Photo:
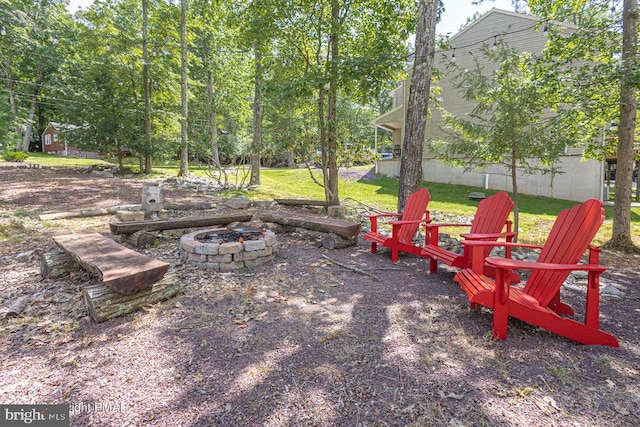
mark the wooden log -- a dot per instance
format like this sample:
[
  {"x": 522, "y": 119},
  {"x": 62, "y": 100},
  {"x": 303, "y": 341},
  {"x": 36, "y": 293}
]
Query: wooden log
[
  {"x": 54, "y": 266},
  {"x": 123, "y": 270},
  {"x": 85, "y": 213},
  {"x": 341, "y": 227},
  {"x": 332, "y": 241},
  {"x": 104, "y": 303},
  {"x": 189, "y": 206},
  {"x": 141, "y": 239},
  {"x": 175, "y": 223},
  {"x": 301, "y": 202},
  {"x": 18, "y": 305}
]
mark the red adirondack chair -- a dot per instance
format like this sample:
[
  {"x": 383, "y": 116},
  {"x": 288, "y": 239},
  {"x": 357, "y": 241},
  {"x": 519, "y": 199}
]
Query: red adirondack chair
[
  {"x": 402, "y": 232},
  {"x": 538, "y": 302},
  {"x": 490, "y": 219}
]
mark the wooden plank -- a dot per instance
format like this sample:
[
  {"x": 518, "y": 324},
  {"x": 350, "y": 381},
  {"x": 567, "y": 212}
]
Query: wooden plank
[
  {"x": 104, "y": 303},
  {"x": 175, "y": 223},
  {"x": 301, "y": 202},
  {"x": 341, "y": 227},
  {"x": 123, "y": 270}
]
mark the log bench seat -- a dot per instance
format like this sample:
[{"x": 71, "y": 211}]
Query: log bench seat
[
  {"x": 344, "y": 228},
  {"x": 121, "y": 269}
]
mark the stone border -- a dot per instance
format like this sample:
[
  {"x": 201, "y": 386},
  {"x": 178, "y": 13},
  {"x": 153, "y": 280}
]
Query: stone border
[{"x": 228, "y": 256}]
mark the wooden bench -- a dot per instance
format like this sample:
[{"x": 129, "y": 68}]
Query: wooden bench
[
  {"x": 177, "y": 223},
  {"x": 121, "y": 269},
  {"x": 344, "y": 228}
]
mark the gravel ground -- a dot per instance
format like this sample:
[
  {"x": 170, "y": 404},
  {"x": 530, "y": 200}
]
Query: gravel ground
[{"x": 300, "y": 341}]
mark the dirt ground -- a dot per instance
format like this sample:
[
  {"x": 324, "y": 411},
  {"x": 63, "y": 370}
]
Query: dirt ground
[{"x": 299, "y": 341}]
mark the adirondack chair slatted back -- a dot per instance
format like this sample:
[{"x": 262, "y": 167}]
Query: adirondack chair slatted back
[
  {"x": 572, "y": 232},
  {"x": 414, "y": 210},
  {"x": 491, "y": 215}
]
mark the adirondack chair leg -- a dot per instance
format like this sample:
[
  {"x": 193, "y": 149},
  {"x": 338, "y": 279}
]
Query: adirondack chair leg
[
  {"x": 559, "y": 307},
  {"x": 394, "y": 254},
  {"x": 433, "y": 266},
  {"x": 500, "y": 306},
  {"x": 592, "y": 315},
  {"x": 374, "y": 248}
]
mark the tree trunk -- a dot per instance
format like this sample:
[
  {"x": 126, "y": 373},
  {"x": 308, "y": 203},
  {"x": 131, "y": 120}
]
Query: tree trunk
[
  {"x": 146, "y": 87},
  {"x": 411, "y": 158},
  {"x": 256, "y": 146},
  {"x": 331, "y": 169},
  {"x": 514, "y": 188},
  {"x": 12, "y": 94},
  {"x": 621, "y": 238},
  {"x": 184, "y": 151},
  {"x": 24, "y": 146},
  {"x": 213, "y": 122}
]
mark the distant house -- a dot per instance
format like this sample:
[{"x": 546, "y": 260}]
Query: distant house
[
  {"x": 580, "y": 179},
  {"x": 54, "y": 141}
]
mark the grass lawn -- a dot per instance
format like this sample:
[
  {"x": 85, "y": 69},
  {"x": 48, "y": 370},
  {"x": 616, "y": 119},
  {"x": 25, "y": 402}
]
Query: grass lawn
[{"x": 536, "y": 213}]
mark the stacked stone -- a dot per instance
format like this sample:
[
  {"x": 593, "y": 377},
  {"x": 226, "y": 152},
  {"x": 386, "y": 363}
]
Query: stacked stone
[{"x": 228, "y": 256}]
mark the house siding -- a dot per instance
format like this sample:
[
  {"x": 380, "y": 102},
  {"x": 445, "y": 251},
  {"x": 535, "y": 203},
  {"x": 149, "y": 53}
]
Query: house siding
[
  {"x": 579, "y": 180},
  {"x": 49, "y": 143}
]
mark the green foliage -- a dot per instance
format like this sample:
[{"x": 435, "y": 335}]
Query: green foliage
[
  {"x": 516, "y": 121},
  {"x": 15, "y": 156}
]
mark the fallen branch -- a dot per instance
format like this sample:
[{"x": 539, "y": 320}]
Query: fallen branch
[
  {"x": 348, "y": 267},
  {"x": 18, "y": 305}
]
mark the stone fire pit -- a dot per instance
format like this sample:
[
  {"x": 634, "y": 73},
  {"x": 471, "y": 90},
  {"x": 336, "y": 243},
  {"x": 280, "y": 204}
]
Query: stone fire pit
[{"x": 227, "y": 249}]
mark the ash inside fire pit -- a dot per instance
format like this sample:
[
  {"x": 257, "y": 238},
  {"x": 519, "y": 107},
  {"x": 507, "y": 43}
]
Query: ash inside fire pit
[{"x": 236, "y": 234}]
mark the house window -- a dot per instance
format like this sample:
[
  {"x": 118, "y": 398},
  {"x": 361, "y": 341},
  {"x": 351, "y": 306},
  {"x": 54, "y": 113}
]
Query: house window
[
  {"x": 47, "y": 139},
  {"x": 55, "y": 137}
]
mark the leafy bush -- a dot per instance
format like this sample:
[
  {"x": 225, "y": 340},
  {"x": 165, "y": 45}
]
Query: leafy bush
[{"x": 15, "y": 156}]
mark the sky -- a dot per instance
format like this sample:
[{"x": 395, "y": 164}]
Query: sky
[{"x": 455, "y": 15}]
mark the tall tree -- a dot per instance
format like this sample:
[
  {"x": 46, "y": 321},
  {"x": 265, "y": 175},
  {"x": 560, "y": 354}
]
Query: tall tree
[
  {"x": 184, "y": 151},
  {"x": 146, "y": 89},
  {"x": 621, "y": 238},
  {"x": 333, "y": 49},
  {"x": 599, "y": 76},
  {"x": 256, "y": 144},
  {"x": 419, "y": 91},
  {"x": 31, "y": 57}
]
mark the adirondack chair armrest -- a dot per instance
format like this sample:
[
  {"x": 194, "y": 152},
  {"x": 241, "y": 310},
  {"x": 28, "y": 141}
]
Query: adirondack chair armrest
[
  {"x": 474, "y": 243},
  {"x": 432, "y": 230},
  {"x": 397, "y": 224},
  {"x": 374, "y": 219},
  {"x": 478, "y": 255},
  {"x": 401, "y": 222},
  {"x": 485, "y": 236},
  {"x": 383, "y": 215},
  {"x": 512, "y": 264}
]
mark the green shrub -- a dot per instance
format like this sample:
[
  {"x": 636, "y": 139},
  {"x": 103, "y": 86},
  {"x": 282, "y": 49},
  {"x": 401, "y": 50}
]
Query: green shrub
[{"x": 15, "y": 156}]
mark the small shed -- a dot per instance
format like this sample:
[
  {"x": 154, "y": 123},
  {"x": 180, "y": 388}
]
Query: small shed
[{"x": 55, "y": 142}]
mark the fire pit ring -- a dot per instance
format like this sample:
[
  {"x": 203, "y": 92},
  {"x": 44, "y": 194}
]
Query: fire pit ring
[{"x": 228, "y": 249}]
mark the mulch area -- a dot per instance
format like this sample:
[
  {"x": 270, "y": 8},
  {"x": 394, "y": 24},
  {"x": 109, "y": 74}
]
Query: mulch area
[{"x": 299, "y": 341}]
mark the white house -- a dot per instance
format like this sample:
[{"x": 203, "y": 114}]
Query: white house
[{"x": 581, "y": 179}]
